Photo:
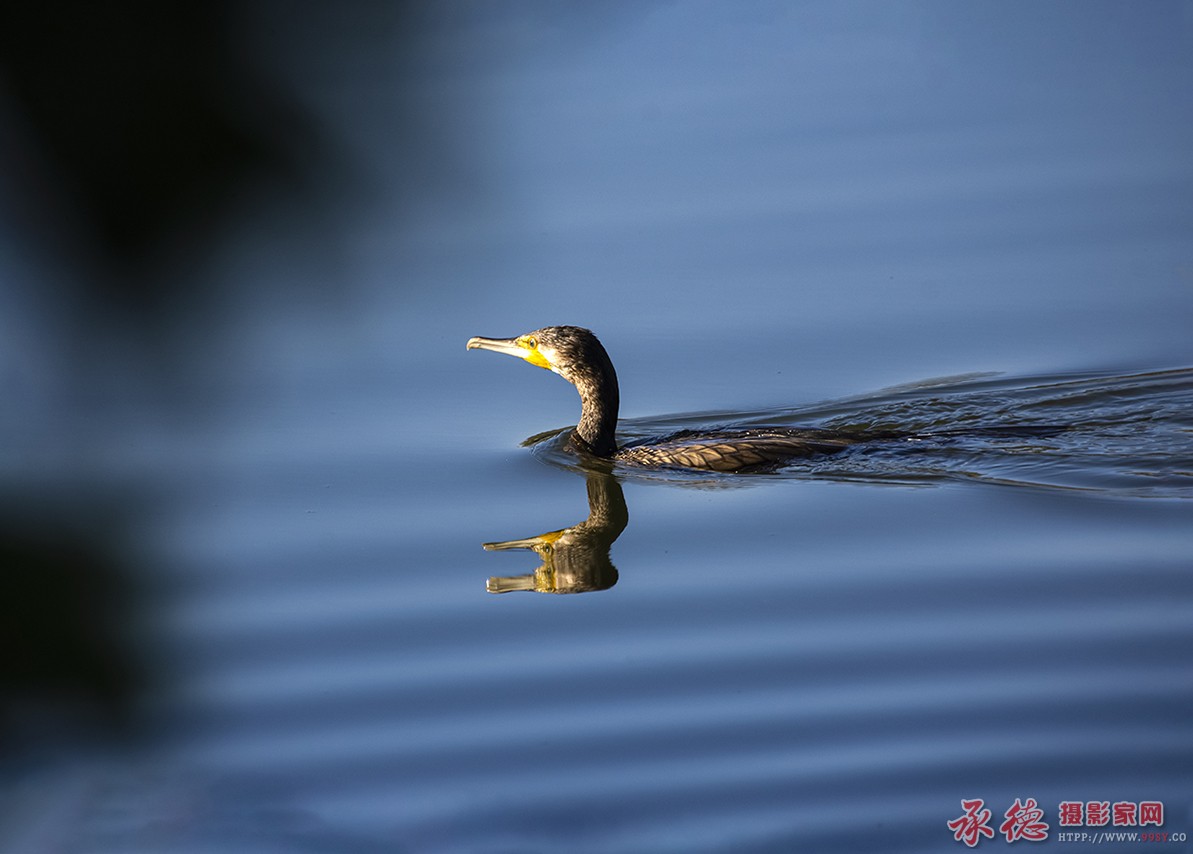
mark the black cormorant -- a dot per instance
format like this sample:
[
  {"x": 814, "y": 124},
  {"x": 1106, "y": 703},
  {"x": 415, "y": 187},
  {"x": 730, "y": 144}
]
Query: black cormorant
[{"x": 576, "y": 355}]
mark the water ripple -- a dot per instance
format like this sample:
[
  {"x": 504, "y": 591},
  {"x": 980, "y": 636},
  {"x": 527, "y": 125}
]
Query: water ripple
[{"x": 1112, "y": 434}]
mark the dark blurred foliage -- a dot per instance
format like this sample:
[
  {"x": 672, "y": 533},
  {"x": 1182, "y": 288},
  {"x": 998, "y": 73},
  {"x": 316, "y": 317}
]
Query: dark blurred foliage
[
  {"x": 144, "y": 121},
  {"x": 137, "y": 127},
  {"x": 69, "y": 657},
  {"x": 137, "y": 124}
]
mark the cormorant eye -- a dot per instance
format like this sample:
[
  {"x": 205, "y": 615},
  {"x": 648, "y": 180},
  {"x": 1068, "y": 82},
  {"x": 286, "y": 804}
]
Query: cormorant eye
[{"x": 530, "y": 343}]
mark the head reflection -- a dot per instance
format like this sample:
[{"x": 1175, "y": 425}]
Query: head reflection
[{"x": 575, "y": 559}]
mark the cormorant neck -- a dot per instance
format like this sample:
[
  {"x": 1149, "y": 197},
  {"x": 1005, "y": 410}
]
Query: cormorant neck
[{"x": 597, "y": 384}]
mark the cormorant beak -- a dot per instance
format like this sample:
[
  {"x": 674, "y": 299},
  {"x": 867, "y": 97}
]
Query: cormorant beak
[
  {"x": 522, "y": 347},
  {"x": 509, "y": 346}
]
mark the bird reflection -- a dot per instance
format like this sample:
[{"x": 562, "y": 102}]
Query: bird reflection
[{"x": 575, "y": 559}]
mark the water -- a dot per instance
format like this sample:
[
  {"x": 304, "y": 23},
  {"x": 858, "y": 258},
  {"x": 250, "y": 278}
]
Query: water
[
  {"x": 1126, "y": 435},
  {"x": 921, "y": 218}
]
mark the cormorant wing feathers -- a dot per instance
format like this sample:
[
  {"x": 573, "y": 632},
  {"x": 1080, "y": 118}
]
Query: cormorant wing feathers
[{"x": 731, "y": 451}]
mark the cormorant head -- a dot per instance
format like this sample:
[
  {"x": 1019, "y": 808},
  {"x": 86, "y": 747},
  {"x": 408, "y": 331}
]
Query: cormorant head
[
  {"x": 577, "y": 356},
  {"x": 570, "y": 351}
]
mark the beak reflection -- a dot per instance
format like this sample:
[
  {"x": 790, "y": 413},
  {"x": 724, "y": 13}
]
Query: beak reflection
[{"x": 575, "y": 559}]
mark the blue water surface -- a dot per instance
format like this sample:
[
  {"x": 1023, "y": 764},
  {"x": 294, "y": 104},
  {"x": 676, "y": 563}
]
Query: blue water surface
[{"x": 819, "y": 213}]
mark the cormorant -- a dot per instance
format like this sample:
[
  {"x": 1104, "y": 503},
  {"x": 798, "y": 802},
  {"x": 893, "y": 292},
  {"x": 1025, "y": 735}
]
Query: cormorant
[{"x": 576, "y": 355}]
